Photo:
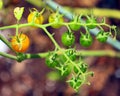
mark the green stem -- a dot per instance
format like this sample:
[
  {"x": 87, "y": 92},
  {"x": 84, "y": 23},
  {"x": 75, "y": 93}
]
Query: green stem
[
  {"x": 8, "y": 27},
  {"x": 14, "y": 26},
  {"x": 97, "y": 53},
  {"x": 8, "y": 56},
  {"x": 86, "y": 29},
  {"x": 5, "y": 41},
  {"x": 39, "y": 55},
  {"x": 17, "y": 28},
  {"x": 51, "y": 37},
  {"x": 49, "y": 24}
]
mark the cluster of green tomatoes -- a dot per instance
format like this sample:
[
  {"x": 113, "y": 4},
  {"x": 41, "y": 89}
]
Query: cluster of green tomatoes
[
  {"x": 66, "y": 62},
  {"x": 68, "y": 39},
  {"x": 85, "y": 40}
]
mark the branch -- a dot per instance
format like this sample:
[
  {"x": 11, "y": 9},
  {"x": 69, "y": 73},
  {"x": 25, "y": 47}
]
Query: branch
[
  {"x": 97, "y": 53},
  {"x": 5, "y": 41},
  {"x": 38, "y": 55},
  {"x": 8, "y": 56}
]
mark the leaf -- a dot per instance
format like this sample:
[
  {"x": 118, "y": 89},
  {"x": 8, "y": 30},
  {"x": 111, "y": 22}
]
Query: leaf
[{"x": 18, "y": 12}]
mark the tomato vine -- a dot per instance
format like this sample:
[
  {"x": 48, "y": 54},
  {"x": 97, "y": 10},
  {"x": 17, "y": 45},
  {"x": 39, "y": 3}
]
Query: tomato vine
[{"x": 66, "y": 60}]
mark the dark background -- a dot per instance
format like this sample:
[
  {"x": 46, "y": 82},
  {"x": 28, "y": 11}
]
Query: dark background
[{"x": 29, "y": 78}]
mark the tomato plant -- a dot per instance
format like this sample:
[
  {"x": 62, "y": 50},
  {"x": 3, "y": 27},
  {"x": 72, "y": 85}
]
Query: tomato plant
[
  {"x": 68, "y": 39},
  {"x": 20, "y": 43},
  {"x": 65, "y": 60}
]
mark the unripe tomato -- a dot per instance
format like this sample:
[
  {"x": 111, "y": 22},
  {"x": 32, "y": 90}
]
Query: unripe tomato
[
  {"x": 68, "y": 39},
  {"x": 20, "y": 43},
  {"x": 86, "y": 40},
  {"x": 92, "y": 23},
  {"x": 102, "y": 36},
  {"x": 75, "y": 82},
  {"x": 57, "y": 18},
  {"x": 51, "y": 60},
  {"x": 71, "y": 53},
  {"x": 82, "y": 66},
  {"x": 35, "y": 17},
  {"x": 64, "y": 70},
  {"x": 75, "y": 27}
]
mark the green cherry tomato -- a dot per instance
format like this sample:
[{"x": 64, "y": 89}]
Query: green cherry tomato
[
  {"x": 57, "y": 18},
  {"x": 102, "y": 36},
  {"x": 71, "y": 53},
  {"x": 67, "y": 39},
  {"x": 51, "y": 60},
  {"x": 75, "y": 82},
  {"x": 64, "y": 70},
  {"x": 91, "y": 21},
  {"x": 86, "y": 40},
  {"x": 75, "y": 27},
  {"x": 82, "y": 66}
]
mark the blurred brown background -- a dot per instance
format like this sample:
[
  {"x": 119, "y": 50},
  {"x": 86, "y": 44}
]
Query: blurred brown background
[{"x": 28, "y": 78}]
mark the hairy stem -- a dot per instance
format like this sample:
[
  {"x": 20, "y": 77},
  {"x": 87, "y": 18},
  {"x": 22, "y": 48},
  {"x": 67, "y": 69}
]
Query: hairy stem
[
  {"x": 51, "y": 37},
  {"x": 39, "y": 55},
  {"x": 8, "y": 56},
  {"x": 96, "y": 53},
  {"x": 5, "y": 41}
]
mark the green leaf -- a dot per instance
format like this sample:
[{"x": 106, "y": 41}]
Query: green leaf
[{"x": 18, "y": 12}]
